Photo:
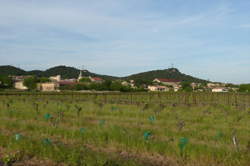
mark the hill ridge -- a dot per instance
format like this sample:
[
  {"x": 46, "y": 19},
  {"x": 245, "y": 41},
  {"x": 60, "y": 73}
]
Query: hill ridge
[{"x": 72, "y": 72}]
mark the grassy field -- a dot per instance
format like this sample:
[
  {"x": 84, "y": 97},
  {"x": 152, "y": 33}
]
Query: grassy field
[{"x": 119, "y": 130}]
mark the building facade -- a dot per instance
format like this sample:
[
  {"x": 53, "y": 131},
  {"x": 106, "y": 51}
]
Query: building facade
[
  {"x": 157, "y": 88},
  {"x": 20, "y": 86},
  {"x": 48, "y": 87}
]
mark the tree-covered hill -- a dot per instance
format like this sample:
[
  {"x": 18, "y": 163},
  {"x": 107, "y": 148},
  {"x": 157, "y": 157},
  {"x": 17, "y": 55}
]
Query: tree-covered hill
[
  {"x": 171, "y": 73},
  {"x": 35, "y": 72},
  {"x": 71, "y": 72},
  {"x": 64, "y": 71},
  {"x": 11, "y": 70}
]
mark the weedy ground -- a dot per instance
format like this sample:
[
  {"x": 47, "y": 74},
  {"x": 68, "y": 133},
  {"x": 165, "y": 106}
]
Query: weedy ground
[{"x": 47, "y": 130}]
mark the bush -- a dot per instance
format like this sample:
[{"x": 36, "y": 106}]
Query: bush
[
  {"x": 244, "y": 88},
  {"x": 5, "y": 82},
  {"x": 30, "y": 83}
]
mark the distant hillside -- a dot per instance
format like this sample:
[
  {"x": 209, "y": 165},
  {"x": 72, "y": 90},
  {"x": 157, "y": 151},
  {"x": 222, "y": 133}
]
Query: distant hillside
[
  {"x": 171, "y": 73},
  {"x": 64, "y": 71},
  {"x": 35, "y": 72},
  {"x": 71, "y": 72},
  {"x": 11, "y": 70}
]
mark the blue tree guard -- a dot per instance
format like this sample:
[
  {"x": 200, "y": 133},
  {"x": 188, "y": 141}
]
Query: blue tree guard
[
  {"x": 113, "y": 108},
  {"x": 182, "y": 144},
  {"x": 151, "y": 119},
  {"x": 47, "y": 116},
  {"x": 82, "y": 130},
  {"x": 47, "y": 141},
  {"x": 101, "y": 122},
  {"x": 18, "y": 137},
  {"x": 147, "y": 135}
]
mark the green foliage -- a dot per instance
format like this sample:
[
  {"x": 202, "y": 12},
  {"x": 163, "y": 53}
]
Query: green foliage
[
  {"x": 10, "y": 70},
  {"x": 31, "y": 83},
  {"x": 43, "y": 79},
  {"x": 64, "y": 71},
  {"x": 115, "y": 86},
  {"x": 186, "y": 86},
  {"x": 244, "y": 88},
  {"x": 141, "y": 82},
  {"x": 5, "y": 82},
  {"x": 128, "y": 138},
  {"x": 71, "y": 72},
  {"x": 85, "y": 79},
  {"x": 105, "y": 86},
  {"x": 171, "y": 73}
]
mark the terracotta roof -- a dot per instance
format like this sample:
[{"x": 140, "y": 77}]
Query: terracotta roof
[
  {"x": 97, "y": 78},
  {"x": 66, "y": 82},
  {"x": 168, "y": 80}
]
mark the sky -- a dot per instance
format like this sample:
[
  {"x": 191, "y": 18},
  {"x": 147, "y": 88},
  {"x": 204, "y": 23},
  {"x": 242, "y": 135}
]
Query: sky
[{"x": 209, "y": 39}]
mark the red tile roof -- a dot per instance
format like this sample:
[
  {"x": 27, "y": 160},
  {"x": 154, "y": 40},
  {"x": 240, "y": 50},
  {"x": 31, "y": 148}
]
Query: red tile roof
[
  {"x": 97, "y": 79},
  {"x": 66, "y": 83}
]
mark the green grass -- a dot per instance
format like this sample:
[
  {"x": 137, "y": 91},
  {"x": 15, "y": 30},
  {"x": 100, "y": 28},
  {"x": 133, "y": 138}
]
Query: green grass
[{"x": 113, "y": 134}]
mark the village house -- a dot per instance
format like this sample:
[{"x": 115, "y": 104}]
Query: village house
[
  {"x": 220, "y": 89},
  {"x": 19, "y": 78},
  {"x": 125, "y": 83},
  {"x": 157, "y": 88},
  {"x": 214, "y": 85},
  {"x": 55, "y": 78},
  {"x": 131, "y": 83},
  {"x": 195, "y": 85},
  {"x": 20, "y": 85},
  {"x": 177, "y": 88},
  {"x": 19, "y": 82},
  {"x": 169, "y": 82},
  {"x": 48, "y": 86}
]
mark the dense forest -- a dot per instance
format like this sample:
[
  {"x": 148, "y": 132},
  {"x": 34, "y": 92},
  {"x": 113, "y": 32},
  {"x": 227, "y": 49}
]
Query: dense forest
[
  {"x": 64, "y": 71},
  {"x": 172, "y": 73}
]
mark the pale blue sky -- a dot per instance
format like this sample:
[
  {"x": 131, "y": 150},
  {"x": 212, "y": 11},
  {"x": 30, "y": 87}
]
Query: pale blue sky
[{"x": 209, "y": 39}]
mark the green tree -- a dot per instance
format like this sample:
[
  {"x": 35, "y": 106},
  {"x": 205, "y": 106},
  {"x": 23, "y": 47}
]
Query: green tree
[
  {"x": 244, "y": 88},
  {"x": 141, "y": 82},
  {"x": 43, "y": 79},
  {"x": 186, "y": 87},
  {"x": 85, "y": 79},
  {"x": 115, "y": 86},
  {"x": 5, "y": 82},
  {"x": 30, "y": 83}
]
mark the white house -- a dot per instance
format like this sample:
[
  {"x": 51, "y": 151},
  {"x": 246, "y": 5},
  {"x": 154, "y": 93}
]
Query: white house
[
  {"x": 19, "y": 85},
  {"x": 155, "y": 88},
  {"x": 131, "y": 83},
  {"x": 219, "y": 90},
  {"x": 55, "y": 78},
  {"x": 214, "y": 85}
]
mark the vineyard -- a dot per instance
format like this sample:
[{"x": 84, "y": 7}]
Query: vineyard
[{"x": 124, "y": 129}]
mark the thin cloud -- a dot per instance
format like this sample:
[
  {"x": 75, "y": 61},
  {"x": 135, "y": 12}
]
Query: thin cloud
[{"x": 121, "y": 37}]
